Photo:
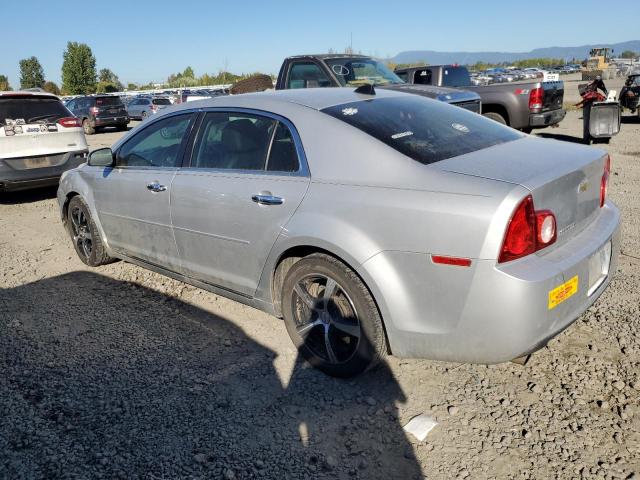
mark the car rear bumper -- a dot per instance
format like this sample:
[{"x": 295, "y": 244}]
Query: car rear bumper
[
  {"x": 490, "y": 313},
  {"x": 17, "y": 174},
  {"x": 111, "y": 121},
  {"x": 545, "y": 119}
]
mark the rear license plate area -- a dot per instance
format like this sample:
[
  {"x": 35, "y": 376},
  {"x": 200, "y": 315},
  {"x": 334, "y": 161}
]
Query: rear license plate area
[{"x": 599, "y": 265}]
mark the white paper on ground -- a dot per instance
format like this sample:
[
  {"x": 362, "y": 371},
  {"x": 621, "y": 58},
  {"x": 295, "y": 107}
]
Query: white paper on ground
[{"x": 420, "y": 426}]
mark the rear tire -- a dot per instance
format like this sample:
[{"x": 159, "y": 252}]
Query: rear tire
[
  {"x": 527, "y": 130},
  {"x": 495, "y": 117},
  {"x": 86, "y": 126},
  {"x": 84, "y": 234},
  {"x": 122, "y": 127},
  {"x": 331, "y": 317},
  {"x": 143, "y": 116}
]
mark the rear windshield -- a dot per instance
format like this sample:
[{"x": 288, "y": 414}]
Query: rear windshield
[
  {"x": 425, "y": 130},
  {"x": 31, "y": 109},
  {"x": 455, "y": 77},
  {"x": 108, "y": 101},
  {"x": 161, "y": 101}
]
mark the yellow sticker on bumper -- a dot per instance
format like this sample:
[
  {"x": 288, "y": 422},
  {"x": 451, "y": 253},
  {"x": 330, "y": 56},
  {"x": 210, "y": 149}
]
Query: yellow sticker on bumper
[{"x": 561, "y": 293}]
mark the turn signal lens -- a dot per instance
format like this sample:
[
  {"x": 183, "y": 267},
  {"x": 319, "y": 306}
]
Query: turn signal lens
[{"x": 528, "y": 231}]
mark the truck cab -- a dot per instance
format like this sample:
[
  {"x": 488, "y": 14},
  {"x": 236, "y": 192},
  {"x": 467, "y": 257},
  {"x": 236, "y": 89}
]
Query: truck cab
[{"x": 345, "y": 70}]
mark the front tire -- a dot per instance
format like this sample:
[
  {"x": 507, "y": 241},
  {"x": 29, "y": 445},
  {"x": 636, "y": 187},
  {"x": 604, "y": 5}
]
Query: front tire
[
  {"x": 331, "y": 317},
  {"x": 84, "y": 234},
  {"x": 495, "y": 117}
]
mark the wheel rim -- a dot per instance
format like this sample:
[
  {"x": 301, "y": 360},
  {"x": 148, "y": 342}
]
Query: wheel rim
[
  {"x": 326, "y": 318},
  {"x": 82, "y": 237}
]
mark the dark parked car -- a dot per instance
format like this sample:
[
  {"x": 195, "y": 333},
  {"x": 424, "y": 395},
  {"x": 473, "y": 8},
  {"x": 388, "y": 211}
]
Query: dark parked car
[{"x": 98, "y": 111}]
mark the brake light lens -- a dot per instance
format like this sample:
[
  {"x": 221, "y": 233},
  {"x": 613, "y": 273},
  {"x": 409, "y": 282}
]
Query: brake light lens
[
  {"x": 535, "y": 99},
  {"x": 528, "y": 231},
  {"x": 69, "y": 122},
  {"x": 604, "y": 183}
]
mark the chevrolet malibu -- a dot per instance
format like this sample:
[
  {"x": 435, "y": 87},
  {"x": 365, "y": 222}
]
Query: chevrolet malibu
[{"x": 372, "y": 222}]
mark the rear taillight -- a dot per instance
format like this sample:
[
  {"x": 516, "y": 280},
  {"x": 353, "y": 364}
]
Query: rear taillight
[
  {"x": 528, "y": 231},
  {"x": 604, "y": 183},
  {"x": 69, "y": 122},
  {"x": 535, "y": 99},
  {"x": 94, "y": 110}
]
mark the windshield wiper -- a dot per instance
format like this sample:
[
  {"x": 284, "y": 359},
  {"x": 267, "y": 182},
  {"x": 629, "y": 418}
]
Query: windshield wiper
[{"x": 44, "y": 117}]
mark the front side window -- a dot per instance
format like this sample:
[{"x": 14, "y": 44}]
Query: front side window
[
  {"x": 307, "y": 75},
  {"x": 158, "y": 145},
  {"x": 238, "y": 141},
  {"x": 354, "y": 72},
  {"x": 424, "y": 130}
]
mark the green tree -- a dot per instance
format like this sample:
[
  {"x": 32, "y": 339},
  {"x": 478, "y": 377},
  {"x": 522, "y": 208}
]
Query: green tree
[
  {"x": 51, "y": 87},
  {"x": 188, "y": 72},
  {"x": 106, "y": 76},
  {"x": 628, "y": 54},
  {"x": 107, "y": 87},
  {"x": 31, "y": 73},
  {"x": 78, "y": 69},
  {"x": 4, "y": 84},
  {"x": 132, "y": 86}
]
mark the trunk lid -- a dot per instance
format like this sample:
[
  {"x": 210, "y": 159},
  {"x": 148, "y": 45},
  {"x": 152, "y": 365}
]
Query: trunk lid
[
  {"x": 562, "y": 177},
  {"x": 109, "y": 107}
]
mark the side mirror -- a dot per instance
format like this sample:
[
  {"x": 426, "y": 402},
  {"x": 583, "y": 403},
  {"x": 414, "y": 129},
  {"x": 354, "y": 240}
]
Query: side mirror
[{"x": 103, "y": 157}]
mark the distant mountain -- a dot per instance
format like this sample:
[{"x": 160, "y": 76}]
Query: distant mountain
[{"x": 469, "y": 58}]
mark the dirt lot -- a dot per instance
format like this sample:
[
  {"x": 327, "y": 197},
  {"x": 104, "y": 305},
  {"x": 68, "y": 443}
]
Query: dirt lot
[{"x": 117, "y": 372}]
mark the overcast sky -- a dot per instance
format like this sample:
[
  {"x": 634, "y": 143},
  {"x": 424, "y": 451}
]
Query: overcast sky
[{"x": 146, "y": 41}]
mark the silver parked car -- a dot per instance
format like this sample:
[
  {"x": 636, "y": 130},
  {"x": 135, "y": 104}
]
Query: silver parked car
[
  {"x": 371, "y": 222},
  {"x": 141, "y": 108}
]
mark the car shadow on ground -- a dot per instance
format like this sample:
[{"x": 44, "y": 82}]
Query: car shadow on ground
[
  {"x": 632, "y": 119},
  {"x": 560, "y": 136},
  {"x": 104, "y": 378},
  {"x": 28, "y": 196}
]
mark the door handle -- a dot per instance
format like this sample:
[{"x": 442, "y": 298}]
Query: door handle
[
  {"x": 156, "y": 187},
  {"x": 267, "y": 199}
]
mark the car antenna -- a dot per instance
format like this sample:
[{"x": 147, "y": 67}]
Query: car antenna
[{"x": 366, "y": 89}]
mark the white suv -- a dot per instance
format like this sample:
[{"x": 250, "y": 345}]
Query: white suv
[{"x": 39, "y": 140}]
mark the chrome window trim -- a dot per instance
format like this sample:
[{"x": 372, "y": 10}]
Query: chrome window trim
[{"x": 303, "y": 167}]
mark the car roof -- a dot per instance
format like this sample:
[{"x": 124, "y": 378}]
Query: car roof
[
  {"x": 325, "y": 56},
  {"x": 315, "y": 98},
  {"x": 26, "y": 93}
]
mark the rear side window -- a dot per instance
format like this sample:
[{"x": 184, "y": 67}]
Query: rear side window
[
  {"x": 425, "y": 130},
  {"x": 108, "y": 101},
  {"x": 455, "y": 77},
  {"x": 31, "y": 109},
  {"x": 161, "y": 101},
  {"x": 422, "y": 77},
  {"x": 307, "y": 75}
]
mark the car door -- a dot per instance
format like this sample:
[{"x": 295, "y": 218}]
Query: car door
[
  {"x": 132, "y": 198},
  {"x": 247, "y": 175},
  {"x": 133, "y": 108}
]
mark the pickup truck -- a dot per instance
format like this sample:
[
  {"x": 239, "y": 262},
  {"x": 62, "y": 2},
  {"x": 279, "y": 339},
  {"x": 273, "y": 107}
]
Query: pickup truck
[
  {"x": 524, "y": 106},
  {"x": 343, "y": 70}
]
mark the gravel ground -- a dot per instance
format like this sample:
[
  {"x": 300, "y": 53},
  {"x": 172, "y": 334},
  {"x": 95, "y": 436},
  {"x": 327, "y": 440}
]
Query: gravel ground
[{"x": 117, "y": 372}]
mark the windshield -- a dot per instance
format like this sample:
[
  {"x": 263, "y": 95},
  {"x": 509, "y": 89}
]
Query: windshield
[
  {"x": 424, "y": 130},
  {"x": 31, "y": 108},
  {"x": 359, "y": 71},
  {"x": 455, "y": 77}
]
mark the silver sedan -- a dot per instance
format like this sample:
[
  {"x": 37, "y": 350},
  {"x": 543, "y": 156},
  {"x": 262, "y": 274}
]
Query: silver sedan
[{"x": 372, "y": 222}]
